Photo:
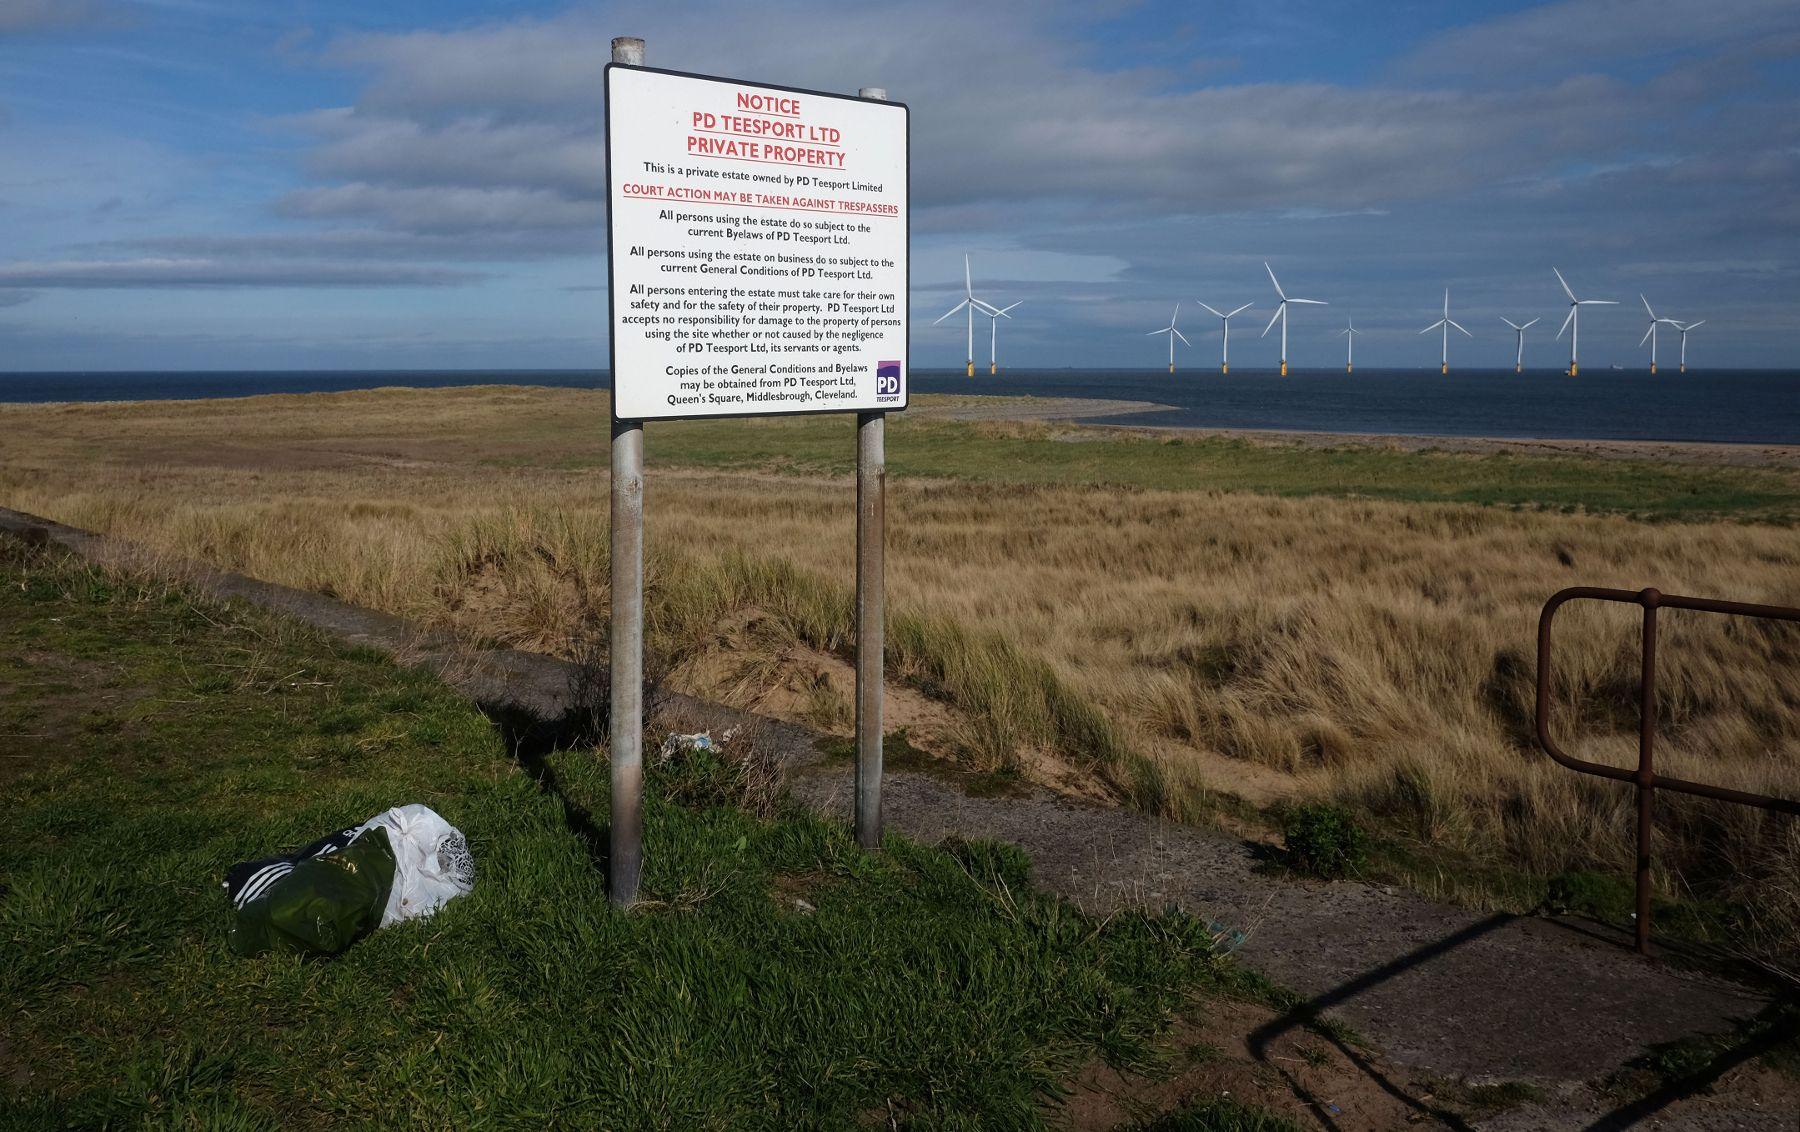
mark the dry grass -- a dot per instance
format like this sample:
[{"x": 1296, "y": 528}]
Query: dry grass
[{"x": 1179, "y": 643}]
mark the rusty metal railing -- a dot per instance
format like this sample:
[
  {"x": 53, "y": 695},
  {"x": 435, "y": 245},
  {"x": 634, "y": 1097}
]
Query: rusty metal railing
[{"x": 1645, "y": 778}]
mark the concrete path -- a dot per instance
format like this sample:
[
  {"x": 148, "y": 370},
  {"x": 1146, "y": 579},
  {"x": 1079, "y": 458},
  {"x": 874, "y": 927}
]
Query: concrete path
[{"x": 1439, "y": 989}]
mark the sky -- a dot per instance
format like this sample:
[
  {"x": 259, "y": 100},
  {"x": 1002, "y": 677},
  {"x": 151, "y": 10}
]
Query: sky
[{"x": 419, "y": 184}]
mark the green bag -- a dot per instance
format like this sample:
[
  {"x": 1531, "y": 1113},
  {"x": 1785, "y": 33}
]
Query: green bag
[{"x": 323, "y": 905}]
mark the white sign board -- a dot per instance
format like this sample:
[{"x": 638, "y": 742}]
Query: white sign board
[{"x": 758, "y": 248}]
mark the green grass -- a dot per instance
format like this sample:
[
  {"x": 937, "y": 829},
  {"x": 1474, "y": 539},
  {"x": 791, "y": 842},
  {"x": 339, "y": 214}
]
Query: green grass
[
  {"x": 163, "y": 739},
  {"x": 1034, "y": 454}
]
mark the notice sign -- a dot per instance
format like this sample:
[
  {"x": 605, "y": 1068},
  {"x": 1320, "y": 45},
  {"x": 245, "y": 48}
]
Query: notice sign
[{"x": 758, "y": 248}]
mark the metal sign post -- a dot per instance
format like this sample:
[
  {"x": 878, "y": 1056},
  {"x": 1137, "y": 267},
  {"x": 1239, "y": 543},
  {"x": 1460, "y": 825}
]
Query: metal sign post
[
  {"x": 625, "y": 713},
  {"x": 757, "y": 248},
  {"x": 871, "y": 606}
]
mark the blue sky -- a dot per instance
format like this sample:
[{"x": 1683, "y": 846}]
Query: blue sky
[{"x": 325, "y": 184}]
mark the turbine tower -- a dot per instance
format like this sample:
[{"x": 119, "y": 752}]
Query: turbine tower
[
  {"x": 994, "y": 336},
  {"x": 1519, "y": 355},
  {"x": 1173, "y": 334},
  {"x": 1446, "y": 322},
  {"x": 1574, "y": 321},
  {"x": 1650, "y": 334},
  {"x": 1281, "y": 313},
  {"x": 1350, "y": 332},
  {"x": 1684, "y": 329},
  {"x": 1225, "y": 349},
  {"x": 971, "y": 304}
]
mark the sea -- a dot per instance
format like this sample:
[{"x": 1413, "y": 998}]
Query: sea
[{"x": 1730, "y": 406}]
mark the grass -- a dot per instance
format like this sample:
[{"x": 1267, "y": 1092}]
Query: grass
[
  {"x": 1178, "y": 624},
  {"x": 1047, "y": 455},
  {"x": 153, "y": 739}
]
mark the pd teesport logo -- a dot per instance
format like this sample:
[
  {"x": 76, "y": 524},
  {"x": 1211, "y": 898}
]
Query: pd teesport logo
[{"x": 887, "y": 381}]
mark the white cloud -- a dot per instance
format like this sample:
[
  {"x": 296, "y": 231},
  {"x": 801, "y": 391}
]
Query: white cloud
[{"x": 1585, "y": 34}]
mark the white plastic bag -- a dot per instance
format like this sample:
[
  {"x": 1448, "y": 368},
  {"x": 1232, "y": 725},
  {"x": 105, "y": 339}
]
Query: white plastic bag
[{"x": 432, "y": 865}]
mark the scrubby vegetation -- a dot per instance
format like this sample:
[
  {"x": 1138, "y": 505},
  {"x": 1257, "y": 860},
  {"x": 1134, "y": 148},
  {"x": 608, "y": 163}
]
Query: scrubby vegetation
[{"x": 1170, "y": 624}]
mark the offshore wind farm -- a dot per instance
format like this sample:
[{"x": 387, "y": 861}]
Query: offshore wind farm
[{"x": 1279, "y": 314}]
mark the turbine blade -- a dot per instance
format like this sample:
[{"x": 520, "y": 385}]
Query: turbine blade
[
  {"x": 1597, "y": 303},
  {"x": 1432, "y": 327},
  {"x": 1691, "y": 325},
  {"x": 1272, "y": 319},
  {"x": 968, "y": 279},
  {"x": 1567, "y": 320},
  {"x": 984, "y": 308},
  {"x": 1646, "y": 303},
  {"x": 951, "y": 311},
  {"x": 1565, "y": 285},
  {"x": 1154, "y": 333},
  {"x": 1181, "y": 336},
  {"x": 1214, "y": 313},
  {"x": 1646, "y": 336},
  {"x": 1274, "y": 280},
  {"x": 1458, "y": 325},
  {"x": 1533, "y": 322},
  {"x": 1239, "y": 311},
  {"x": 1003, "y": 310},
  {"x": 1511, "y": 323},
  {"x": 1311, "y": 302}
]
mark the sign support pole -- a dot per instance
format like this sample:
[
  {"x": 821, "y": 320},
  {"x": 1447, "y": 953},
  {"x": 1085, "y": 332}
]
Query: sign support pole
[
  {"x": 871, "y": 605},
  {"x": 625, "y": 715}
]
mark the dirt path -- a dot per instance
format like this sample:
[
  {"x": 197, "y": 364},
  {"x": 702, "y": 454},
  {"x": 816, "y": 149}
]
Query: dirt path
[{"x": 1442, "y": 992}]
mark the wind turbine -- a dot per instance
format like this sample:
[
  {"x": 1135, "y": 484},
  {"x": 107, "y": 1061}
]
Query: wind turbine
[
  {"x": 1446, "y": 322},
  {"x": 1350, "y": 332},
  {"x": 994, "y": 337},
  {"x": 1684, "y": 330},
  {"x": 1650, "y": 334},
  {"x": 972, "y": 304},
  {"x": 1225, "y": 349},
  {"x": 1281, "y": 313},
  {"x": 1519, "y": 356},
  {"x": 1574, "y": 320},
  {"x": 1173, "y": 334}
]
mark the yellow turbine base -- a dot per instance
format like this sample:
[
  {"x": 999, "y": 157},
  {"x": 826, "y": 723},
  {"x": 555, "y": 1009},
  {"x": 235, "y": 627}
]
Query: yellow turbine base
[
  {"x": 1348, "y": 368},
  {"x": 1224, "y": 368},
  {"x": 1518, "y": 369},
  {"x": 1171, "y": 367},
  {"x": 1444, "y": 369},
  {"x": 993, "y": 369},
  {"x": 1652, "y": 369},
  {"x": 1684, "y": 369},
  {"x": 1574, "y": 370},
  {"x": 971, "y": 369},
  {"x": 1284, "y": 367}
]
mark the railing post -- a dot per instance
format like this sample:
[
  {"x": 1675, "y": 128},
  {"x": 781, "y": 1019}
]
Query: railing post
[
  {"x": 1646, "y": 772},
  {"x": 1644, "y": 778}
]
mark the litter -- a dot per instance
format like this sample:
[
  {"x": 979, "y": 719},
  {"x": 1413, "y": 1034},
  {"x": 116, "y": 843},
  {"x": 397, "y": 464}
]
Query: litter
[
  {"x": 678, "y": 744},
  {"x": 399, "y": 865},
  {"x": 1226, "y": 939}
]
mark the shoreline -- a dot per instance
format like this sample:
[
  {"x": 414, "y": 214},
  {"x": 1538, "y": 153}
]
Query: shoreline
[
  {"x": 1734, "y": 453},
  {"x": 1078, "y": 413},
  {"x": 1077, "y": 416}
]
